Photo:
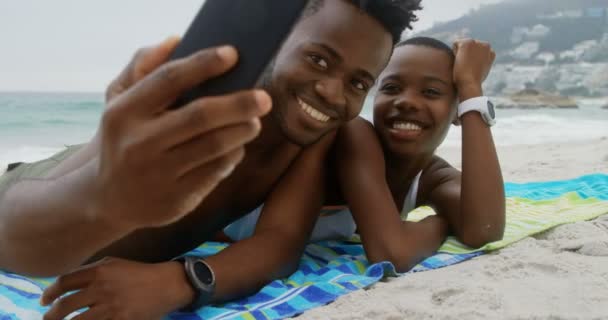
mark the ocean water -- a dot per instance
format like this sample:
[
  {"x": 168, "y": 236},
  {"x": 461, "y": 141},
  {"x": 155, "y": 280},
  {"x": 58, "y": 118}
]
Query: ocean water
[{"x": 36, "y": 125}]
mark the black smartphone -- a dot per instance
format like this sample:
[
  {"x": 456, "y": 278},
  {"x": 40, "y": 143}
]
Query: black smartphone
[{"x": 256, "y": 28}]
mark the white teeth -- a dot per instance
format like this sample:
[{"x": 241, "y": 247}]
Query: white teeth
[
  {"x": 410, "y": 126},
  {"x": 314, "y": 113}
]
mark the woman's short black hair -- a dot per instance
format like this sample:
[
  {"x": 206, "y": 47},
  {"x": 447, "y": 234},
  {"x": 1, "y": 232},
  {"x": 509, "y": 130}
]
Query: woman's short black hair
[{"x": 428, "y": 42}]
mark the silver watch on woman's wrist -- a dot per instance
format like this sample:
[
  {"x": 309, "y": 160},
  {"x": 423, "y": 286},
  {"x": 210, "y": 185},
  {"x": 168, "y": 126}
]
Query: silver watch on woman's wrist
[{"x": 483, "y": 105}]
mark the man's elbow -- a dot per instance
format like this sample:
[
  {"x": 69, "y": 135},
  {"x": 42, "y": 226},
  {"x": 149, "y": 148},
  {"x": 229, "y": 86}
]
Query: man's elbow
[{"x": 17, "y": 258}]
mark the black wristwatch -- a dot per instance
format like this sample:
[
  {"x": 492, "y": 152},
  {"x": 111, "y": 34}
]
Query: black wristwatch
[{"x": 201, "y": 278}]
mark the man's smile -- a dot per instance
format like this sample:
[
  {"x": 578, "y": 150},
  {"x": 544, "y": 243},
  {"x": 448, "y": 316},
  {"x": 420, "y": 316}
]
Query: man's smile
[{"x": 313, "y": 112}]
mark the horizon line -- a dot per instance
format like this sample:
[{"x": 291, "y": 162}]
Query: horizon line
[{"x": 50, "y": 91}]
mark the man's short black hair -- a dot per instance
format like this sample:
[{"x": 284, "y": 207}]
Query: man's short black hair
[
  {"x": 394, "y": 15},
  {"x": 428, "y": 42}
]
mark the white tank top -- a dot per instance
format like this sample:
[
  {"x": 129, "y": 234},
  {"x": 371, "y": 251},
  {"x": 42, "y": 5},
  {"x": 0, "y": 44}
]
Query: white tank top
[
  {"x": 331, "y": 224},
  {"x": 409, "y": 204}
]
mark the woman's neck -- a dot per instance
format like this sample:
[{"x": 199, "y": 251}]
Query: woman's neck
[{"x": 401, "y": 170}]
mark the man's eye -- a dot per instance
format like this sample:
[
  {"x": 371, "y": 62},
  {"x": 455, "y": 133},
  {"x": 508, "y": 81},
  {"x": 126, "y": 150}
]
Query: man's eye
[
  {"x": 318, "y": 60},
  {"x": 360, "y": 85}
]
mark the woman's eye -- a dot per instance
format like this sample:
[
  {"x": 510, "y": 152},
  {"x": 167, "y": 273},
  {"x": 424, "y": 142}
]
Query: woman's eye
[
  {"x": 432, "y": 92},
  {"x": 389, "y": 88},
  {"x": 318, "y": 60}
]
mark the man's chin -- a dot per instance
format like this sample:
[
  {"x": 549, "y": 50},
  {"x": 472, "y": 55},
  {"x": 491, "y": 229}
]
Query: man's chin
[
  {"x": 296, "y": 133},
  {"x": 300, "y": 139}
]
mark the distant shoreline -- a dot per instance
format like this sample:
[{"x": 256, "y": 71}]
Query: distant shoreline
[{"x": 35, "y": 92}]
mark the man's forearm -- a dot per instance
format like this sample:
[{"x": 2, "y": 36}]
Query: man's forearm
[
  {"x": 248, "y": 265},
  {"x": 48, "y": 227}
]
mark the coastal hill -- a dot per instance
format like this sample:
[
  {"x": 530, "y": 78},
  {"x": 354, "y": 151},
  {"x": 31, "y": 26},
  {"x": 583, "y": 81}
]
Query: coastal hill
[{"x": 556, "y": 46}]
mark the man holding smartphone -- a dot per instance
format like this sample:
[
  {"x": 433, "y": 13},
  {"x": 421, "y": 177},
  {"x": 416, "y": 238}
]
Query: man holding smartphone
[{"x": 156, "y": 182}]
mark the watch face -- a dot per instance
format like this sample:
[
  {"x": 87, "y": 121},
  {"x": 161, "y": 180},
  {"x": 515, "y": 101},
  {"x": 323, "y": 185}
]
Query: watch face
[
  {"x": 491, "y": 110},
  {"x": 203, "y": 273}
]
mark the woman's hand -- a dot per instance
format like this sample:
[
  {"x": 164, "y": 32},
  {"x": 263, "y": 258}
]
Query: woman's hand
[{"x": 474, "y": 60}]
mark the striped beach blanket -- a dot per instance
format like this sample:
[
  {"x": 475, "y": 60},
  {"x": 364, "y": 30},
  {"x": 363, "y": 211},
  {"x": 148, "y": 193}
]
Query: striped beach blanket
[
  {"x": 536, "y": 207},
  {"x": 331, "y": 269}
]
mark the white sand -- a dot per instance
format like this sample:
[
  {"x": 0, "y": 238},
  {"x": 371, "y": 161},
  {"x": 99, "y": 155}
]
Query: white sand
[{"x": 560, "y": 274}]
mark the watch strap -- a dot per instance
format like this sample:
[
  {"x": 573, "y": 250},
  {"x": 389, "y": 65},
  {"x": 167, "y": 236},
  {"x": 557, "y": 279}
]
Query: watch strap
[
  {"x": 483, "y": 105},
  {"x": 203, "y": 293}
]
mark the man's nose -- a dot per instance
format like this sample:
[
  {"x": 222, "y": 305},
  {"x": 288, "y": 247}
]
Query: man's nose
[{"x": 332, "y": 91}]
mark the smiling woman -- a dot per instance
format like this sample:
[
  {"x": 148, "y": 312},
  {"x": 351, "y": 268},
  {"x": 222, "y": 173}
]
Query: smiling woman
[
  {"x": 421, "y": 70},
  {"x": 387, "y": 169}
]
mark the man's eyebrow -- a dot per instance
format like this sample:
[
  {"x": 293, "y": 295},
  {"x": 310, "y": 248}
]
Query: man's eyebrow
[
  {"x": 336, "y": 56},
  {"x": 331, "y": 51}
]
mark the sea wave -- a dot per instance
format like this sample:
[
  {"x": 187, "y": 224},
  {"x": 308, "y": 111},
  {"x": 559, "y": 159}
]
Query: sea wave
[
  {"x": 61, "y": 122},
  {"x": 539, "y": 129},
  {"x": 85, "y": 105}
]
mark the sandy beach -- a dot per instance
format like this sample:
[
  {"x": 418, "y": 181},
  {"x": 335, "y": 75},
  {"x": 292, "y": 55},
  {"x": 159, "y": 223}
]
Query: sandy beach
[{"x": 559, "y": 274}]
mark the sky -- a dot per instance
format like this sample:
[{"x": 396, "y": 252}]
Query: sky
[{"x": 76, "y": 45}]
